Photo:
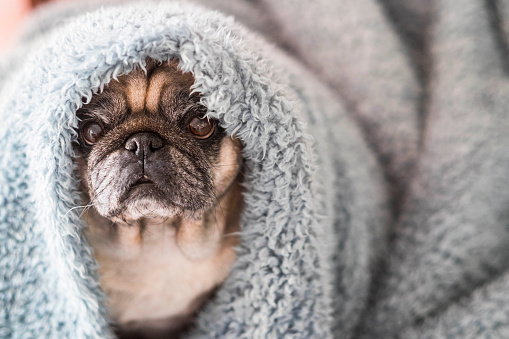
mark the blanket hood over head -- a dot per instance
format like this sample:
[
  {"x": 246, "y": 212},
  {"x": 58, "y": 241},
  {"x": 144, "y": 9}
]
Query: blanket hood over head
[{"x": 314, "y": 207}]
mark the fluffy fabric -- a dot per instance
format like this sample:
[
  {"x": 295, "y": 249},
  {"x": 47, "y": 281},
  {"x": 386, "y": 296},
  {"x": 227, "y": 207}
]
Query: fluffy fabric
[
  {"x": 315, "y": 210},
  {"x": 447, "y": 275},
  {"x": 422, "y": 85},
  {"x": 351, "y": 45}
]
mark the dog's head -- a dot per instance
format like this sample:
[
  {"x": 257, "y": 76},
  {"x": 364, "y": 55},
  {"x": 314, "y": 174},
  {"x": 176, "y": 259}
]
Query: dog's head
[{"x": 146, "y": 149}]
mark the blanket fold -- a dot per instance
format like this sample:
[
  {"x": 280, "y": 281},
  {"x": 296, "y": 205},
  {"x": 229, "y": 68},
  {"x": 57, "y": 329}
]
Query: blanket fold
[
  {"x": 351, "y": 45},
  {"x": 452, "y": 245}
]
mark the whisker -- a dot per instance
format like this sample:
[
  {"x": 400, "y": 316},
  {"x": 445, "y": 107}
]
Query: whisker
[
  {"x": 232, "y": 234},
  {"x": 76, "y": 207},
  {"x": 86, "y": 209},
  {"x": 231, "y": 165}
]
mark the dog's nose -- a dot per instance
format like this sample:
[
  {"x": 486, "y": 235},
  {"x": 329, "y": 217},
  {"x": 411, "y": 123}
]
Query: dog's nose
[{"x": 142, "y": 144}]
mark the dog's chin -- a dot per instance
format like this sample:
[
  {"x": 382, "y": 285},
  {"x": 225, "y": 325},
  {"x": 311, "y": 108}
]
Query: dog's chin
[
  {"x": 145, "y": 208},
  {"x": 143, "y": 201}
]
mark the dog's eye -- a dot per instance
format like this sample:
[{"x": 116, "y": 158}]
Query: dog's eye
[
  {"x": 202, "y": 128},
  {"x": 91, "y": 132}
]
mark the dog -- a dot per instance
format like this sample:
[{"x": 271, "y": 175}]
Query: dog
[{"x": 162, "y": 185}]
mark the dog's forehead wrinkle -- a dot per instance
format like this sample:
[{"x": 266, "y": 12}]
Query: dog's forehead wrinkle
[
  {"x": 146, "y": 88},
  {"x": 176, "y": 102},
  {"x": 159, "y": 80},
  {"x": 109, "y": 106},
  {"x": 136, "y": 88},
  {"x": 159, "y": 87}
]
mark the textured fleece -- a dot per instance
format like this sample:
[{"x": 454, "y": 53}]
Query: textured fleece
[
  {"x": 448, "y": 272},
  {"x": 315, "y": 210},
  {"x": 353, "y": 47}
]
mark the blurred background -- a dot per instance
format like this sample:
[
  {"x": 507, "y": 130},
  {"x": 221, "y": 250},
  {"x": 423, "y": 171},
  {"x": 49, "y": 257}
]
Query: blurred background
[{"x": 12, "y": 13}]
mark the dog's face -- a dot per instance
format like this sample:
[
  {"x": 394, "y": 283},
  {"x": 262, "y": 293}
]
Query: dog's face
[{"x": 146, "y": 151}]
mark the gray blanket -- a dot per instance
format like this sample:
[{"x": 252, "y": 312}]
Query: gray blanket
[
  {"x": 392, "y": 222},
  {"x": 441, "y": 68}
]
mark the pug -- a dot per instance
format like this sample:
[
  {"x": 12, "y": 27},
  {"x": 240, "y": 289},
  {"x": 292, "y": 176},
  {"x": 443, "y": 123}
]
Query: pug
[{"x": 162, "y": 185}]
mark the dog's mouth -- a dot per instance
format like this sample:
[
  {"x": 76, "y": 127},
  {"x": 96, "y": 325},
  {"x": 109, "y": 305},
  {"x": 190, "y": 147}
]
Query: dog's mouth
[
  {"x": 142, "y": 187},
  {"x": 142, "y": 181}
]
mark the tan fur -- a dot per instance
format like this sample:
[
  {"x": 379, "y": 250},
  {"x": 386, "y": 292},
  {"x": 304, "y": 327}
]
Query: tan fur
[
  {"x": 136, "y": 92},
  {"x": 144, "y": 94},
  {"x": 147, "y": 275},
  {"x": 156, "y": 271}
]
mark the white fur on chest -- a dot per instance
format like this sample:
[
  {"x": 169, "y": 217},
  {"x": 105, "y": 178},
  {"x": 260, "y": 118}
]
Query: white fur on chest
[{"x": 150, "y": 279}]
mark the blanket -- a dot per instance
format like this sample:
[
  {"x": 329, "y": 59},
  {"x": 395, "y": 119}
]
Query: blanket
[
  {"x": 316, "y": 205},
  {"x": 446, "y": 275},
  {"x": 448, "y": 270},
  {"x": 374, "y": 137}
]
